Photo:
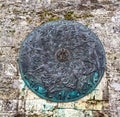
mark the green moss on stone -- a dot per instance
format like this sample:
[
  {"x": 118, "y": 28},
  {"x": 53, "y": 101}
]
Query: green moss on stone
[
  {"x": 53, "y": 19},
  {"x": 15, "y": 11},
  {"x": 87, "y": 24},
  {"x": 13, "y": 19},
  {"x": 84, "y": 15},
  {"x": 29, "y": 20},
  {"x": 69, "y": 15},
  {"x": 87, "y": 15},
  {"x": 12, "y": 31},
  {"x": 1, "y": 54},
  {"x": 47, "y": 16}
]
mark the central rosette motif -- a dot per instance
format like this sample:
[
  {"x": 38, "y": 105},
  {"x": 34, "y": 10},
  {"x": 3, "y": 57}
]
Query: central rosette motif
[{"x": 62, "y": 55}]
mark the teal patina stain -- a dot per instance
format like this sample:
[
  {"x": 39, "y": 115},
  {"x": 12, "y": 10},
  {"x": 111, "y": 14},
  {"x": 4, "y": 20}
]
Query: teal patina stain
[{"x": 95, "y": 77}]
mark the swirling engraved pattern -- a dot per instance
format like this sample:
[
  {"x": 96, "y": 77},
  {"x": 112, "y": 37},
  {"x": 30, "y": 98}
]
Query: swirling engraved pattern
[{"x": 62, "y": 61}]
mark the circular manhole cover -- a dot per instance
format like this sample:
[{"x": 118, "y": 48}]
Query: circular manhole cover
[{"x": 62, "y": 61}]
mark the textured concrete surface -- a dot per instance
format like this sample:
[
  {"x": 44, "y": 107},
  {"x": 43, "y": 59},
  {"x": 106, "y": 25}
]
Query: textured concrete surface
[{"x": 19, "y": 17}]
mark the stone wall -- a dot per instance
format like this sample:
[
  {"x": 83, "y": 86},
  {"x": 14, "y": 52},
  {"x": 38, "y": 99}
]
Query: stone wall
[{"x": 19, "y": 17}]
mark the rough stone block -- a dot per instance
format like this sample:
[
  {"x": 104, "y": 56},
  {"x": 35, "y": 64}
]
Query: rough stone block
[{"x": 9, "y": 106}]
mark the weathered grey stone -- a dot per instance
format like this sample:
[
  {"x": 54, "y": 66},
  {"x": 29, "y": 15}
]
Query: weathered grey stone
[
  {"x": 9, "y": 106},
  {"x": 18, "y": 18},
  {"x": 9, "y": 93}
]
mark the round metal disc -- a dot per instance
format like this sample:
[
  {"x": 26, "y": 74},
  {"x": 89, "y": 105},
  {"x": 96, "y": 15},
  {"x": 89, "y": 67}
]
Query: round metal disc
[{"x": 62, "y": 61}]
